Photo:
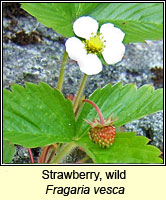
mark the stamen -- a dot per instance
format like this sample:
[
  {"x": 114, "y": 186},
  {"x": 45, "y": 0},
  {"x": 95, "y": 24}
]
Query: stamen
[{"x": 95, "y": 44}]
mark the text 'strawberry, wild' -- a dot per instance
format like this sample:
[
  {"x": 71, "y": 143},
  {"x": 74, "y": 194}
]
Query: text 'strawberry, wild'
[{"x": 102, "y": 131}]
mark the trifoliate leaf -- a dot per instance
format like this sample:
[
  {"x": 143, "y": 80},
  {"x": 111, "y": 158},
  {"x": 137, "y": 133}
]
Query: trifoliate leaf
[{"x": 37, "y": 115}]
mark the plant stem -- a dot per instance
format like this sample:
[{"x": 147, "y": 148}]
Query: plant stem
[
  {"x": 63, "y": 152},
  {"x": 31, "y": 156},
  {"x": 51, "y": 156},
  {"x": 82, "y": 85},
  {"x": 62, "y": 70},
  {"x": 102, "y": 121},
  {"x": 41, "y": 157},
  {"x": 46, "y": 153}
]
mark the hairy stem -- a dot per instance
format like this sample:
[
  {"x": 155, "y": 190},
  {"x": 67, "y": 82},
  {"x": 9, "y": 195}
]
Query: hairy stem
[
  {"x": 81, "y": 88},
  {"x": 51, "y": 156},
  {"x": 63, "y": 152},
  {"x": 102, "y": 121},
  {"x": 62, "y": 70}
]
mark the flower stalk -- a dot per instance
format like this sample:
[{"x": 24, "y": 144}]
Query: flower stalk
[
  {"x": 79, "y": 94},
  {"x": 102, "y": 121},
  {"x": 62, "y": 70}
]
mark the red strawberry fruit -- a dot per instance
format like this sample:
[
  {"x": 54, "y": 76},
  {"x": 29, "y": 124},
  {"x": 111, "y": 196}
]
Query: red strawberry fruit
[{"x": 103, "y": 136}]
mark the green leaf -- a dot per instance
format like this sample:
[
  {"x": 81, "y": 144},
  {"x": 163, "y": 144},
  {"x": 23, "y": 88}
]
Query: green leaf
[
  {"x": 37, "y": 115},
  {"x": 127, "y": 148},
  {"x": 8, "y": 151},
  {"x": 127, "y": 103},
  {"x": 59, "y": 16},
  {"x": 139, "y": 21}
]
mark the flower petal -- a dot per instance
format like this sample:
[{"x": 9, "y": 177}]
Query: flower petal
[
  {"x": 113, "y": 52},
  {"x": 90, "y": 64},
  {"x": 111, "y": 33},
  {"x": 75, "y": 48},
  {"x": 84, "y": 26}
]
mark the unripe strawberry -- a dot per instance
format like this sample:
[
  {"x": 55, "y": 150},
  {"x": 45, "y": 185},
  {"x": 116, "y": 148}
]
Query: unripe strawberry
[{"x": 102, "y": 131}]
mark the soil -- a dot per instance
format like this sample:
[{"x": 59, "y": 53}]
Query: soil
[
  {"x": 11, "y": 10},
  {"x": 158, "y": 77}
]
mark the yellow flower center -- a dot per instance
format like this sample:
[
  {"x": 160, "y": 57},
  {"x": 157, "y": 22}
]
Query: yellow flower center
[{"x": 95, "y": 44}]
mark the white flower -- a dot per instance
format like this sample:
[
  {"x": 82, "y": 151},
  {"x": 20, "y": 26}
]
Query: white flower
[{"x": 92, "y": 44}]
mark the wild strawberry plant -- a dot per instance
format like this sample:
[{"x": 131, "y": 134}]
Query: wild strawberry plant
[{"x": 40, "y": 116}]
